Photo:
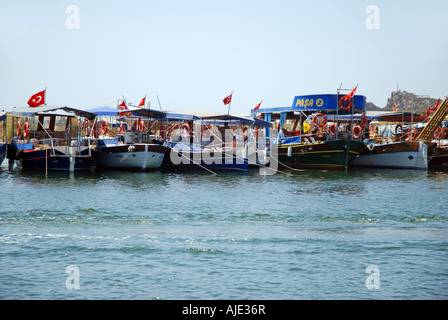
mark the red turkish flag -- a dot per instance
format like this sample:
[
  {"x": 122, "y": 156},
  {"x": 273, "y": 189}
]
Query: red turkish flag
[
  {"x": 37, "y": 99},
  {"x": 122, "y": 106},
  {"x": 258, "y": 106},
  {"x": 351, "y": 94},
  {"x": 142, "y": 102},
  {"x": 227, "y": 100}
]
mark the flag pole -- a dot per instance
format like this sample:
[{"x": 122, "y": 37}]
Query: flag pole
[
  {"x": 45, "y": 96},
  {"x": 230, "y": 103}
]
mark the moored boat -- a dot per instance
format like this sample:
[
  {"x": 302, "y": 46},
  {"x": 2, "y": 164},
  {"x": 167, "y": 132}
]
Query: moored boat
[
  {"x": 50, "y": 139},
  {"x": 132, "y": 143},
  {"x": 394, "y": 155},
  {"x": 209, "y": 141},
  {"x": 312, "y": 133},
  {"x": 402, "y": 140}
]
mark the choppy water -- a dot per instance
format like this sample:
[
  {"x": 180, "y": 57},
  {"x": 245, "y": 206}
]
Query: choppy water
[{"x": 306, "y": 235}]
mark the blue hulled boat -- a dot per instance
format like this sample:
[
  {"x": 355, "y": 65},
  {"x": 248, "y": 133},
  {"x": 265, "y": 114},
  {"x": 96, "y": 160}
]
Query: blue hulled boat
[
  {"x": 50, "y": 139},
  {"x": 210, "y": 141}
]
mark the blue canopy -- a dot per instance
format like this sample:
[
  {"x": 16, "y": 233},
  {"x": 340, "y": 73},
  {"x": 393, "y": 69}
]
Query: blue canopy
[
  {"x": 140, "y": 112},
  {"x": 328, "y": 103},
  {"x": 105, "y": 111}
]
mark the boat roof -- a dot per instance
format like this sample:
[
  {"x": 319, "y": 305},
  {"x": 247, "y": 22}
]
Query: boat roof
[
  {"x": 110, "y": 111},
  {"x": 399, "y": 116},
  {"x": 210, "y": 116},
  {"x": 2, "y": 115},
  {"x": 52, "y": 110},
  {"x": 327, "y": 103}
]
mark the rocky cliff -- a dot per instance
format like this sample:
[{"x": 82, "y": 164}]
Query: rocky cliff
[{"x": 406, "y": 101}]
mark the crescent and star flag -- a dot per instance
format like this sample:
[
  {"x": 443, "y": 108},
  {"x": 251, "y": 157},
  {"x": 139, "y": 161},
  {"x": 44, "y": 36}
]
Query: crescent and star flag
[
  {"x": 258, "y": 106},
  {"x": 227, "y": 100},
  {"x": 351, "y": 94},
  {"x": 142, "y": 102},
  {"x": 122, "y": 106},
  {"x": 37, "y": 99}
]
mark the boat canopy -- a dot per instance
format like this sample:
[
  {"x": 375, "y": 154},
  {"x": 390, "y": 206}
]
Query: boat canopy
[
  {"x": 2, "y": 116},
  {"x": 400, "y": 117},
  {"x": 52, "y": 110},
  {"x": 207, "y": 117},
  {"x": 110, "y": 111},
  {"x": 325, "y": 103}
]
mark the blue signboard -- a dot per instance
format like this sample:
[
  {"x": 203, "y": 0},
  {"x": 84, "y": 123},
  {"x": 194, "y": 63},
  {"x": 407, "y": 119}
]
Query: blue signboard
[{"x": 328, "y": 103}]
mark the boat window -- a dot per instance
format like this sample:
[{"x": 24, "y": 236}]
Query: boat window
[
  {"x": 60, "y": 123},
  {"x": 46, "y": 123}
]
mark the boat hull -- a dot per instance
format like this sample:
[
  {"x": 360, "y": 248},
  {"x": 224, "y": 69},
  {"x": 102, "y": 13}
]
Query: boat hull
[
  {"x": 438, "y": 159},
  {"x": 219, "y": 161},
  {"x": 322, "y": 155},
  {"x": 396, "y": 155},
  {"x": 132, "y": 157},
  {"x": 56, "y": 161}
]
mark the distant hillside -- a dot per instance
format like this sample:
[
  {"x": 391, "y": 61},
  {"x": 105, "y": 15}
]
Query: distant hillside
[
  {"x": 408, "y": 101},
  {"x": 372, "y": 107}
]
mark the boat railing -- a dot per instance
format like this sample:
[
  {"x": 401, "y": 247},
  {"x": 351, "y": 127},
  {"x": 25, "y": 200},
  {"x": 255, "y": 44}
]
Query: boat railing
[{"x": 49, "y": 137}]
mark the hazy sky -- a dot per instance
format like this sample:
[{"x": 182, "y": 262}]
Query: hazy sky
[{"x": 192, "y": 54}]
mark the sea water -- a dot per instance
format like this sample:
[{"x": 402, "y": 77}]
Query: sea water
[{"x": 361, "y": 234}]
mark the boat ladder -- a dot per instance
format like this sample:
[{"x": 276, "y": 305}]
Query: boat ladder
[{"x": 436, "y": 120}]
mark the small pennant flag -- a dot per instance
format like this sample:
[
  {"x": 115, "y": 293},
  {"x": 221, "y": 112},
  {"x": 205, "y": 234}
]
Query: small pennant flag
[
  {"x": 351, "y": 94},
  {"x": 142, "y": 102}
]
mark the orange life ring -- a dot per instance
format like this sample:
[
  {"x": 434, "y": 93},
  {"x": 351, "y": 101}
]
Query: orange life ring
[
  {"x": 357, "y": 130},
  {"x": 320, "y": 124},
  {"x": 170, "y": 130},
  {"x": 333, "y": 129},
  {"x": 438, "y": 133},
  {"x": 343, "y": 107},
  {"x": 104, "y": 127},
  {"x": 209, "y": 128},
  {"x": 140, "y": 125},
  {"x": 412, "y": 133},
  {"x": 185, "y": 126}
]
